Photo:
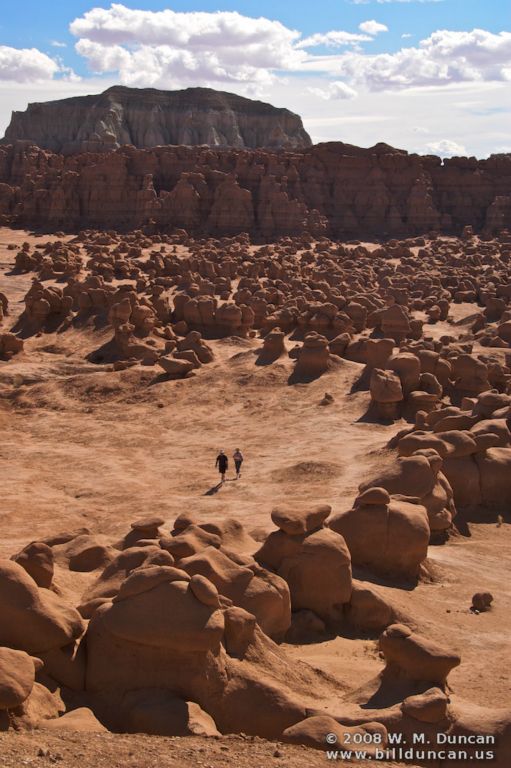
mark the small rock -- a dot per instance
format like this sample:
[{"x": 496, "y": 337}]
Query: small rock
[{"x": 481, "y": 601}]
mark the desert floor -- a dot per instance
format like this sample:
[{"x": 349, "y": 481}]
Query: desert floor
[{"x": 84, "y": 446}]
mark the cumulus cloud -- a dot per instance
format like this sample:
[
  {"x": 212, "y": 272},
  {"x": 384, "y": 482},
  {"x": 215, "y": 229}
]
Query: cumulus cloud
[
  {"x": 336, "y": 90},
  {"x": 163, "y": 66},
  {"x": 444, "y": 58},
  {"x": 372, "y": 27},
  {"x": 168, "y": 47},
  {"x": 173, "y": 49},
  {"x": 22, "y": 65},
  {"x": 446, "y": 148}
]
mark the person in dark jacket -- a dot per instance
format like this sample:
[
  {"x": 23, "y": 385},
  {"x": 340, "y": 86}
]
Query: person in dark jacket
[{"x": 222, "y": 462}]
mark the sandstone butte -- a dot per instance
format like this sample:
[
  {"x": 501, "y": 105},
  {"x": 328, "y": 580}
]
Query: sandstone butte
[
  {"x": 147, "y": 117},
  {"x": 331, "y": 189}
]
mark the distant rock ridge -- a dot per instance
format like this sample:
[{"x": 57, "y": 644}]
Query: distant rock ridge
[
  {"x": 147, "y": 117},
  {"x": 333, "y": 189}
]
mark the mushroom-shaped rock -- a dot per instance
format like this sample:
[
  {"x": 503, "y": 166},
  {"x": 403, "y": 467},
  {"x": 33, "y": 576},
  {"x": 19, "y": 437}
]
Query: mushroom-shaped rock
[
  {"x": 388, "y": 539},
  {"x": 295, "y": 521},
  {"x": 372, "y": 496},
  {"x": 412, "y": 656},
  {"x": 273, "y": 347},
  {"x": 194, "y": 342},
  {"x": 386, "y": 393},
  {"x": 316, "y": 566},
  {"x": 313, "y": 357},
  {"x": 148, "y": 527}
]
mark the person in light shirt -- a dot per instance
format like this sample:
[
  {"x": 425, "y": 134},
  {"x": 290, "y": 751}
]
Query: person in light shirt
[{"x": 238, "y": 461}]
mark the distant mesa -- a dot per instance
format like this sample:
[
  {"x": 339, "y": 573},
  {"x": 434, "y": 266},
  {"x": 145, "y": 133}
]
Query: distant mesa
[{"x": 147, "y": 117}]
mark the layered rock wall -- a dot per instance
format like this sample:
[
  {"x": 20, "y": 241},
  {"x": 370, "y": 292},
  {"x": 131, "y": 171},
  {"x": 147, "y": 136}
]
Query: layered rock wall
[
  {"x": 333, "y": 189},
  {"x": 147, "y": 117}
]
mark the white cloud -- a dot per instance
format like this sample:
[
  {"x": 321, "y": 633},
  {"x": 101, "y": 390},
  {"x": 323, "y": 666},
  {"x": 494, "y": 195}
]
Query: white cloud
[
  {"x": 444, "y": 58},
  {"x": 23, "y": 65},
  {"x": 446, "y": 148},
  {"x": 170, "y": 49},
  {"x": 335, "y": 90},
  {"x": 406, "y": 35},
  {"x": 372, "y": 27},
  {"x": 333, "y": 39},
  {"x": 58, "y": 44},
  {"x": 222, "y": 29}
]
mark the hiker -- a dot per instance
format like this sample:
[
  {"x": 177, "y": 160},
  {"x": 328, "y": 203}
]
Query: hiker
[
  {"x": 222, "y": 462},
  {"x": 238, "y": 461}
]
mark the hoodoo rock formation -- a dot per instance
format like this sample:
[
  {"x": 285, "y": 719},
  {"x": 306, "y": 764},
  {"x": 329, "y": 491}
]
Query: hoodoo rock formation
[
  {"x": 330, "y": 189},
  {"x": 349, "y": 585},
  {"x": 147, "y": 117}
]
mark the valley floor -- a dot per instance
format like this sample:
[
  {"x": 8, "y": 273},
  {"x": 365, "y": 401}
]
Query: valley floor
[{"x": 85, "y": 446}]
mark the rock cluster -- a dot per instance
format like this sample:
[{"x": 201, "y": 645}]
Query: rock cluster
[{"x": 180, "y": 628}]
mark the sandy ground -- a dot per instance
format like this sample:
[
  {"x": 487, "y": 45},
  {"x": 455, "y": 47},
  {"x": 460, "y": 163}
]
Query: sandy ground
[
  {"x": 69, "y": 750},
  {"x": 82, "y": 445}
]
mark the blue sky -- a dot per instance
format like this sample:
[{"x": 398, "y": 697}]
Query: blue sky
[
  {"x": 35, "y": 23},
  {"x": 427, "y": 75}
]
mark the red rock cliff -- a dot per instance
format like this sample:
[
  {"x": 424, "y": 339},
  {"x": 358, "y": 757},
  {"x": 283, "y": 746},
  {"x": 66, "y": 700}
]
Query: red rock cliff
[{"x": 336, "y": 189}]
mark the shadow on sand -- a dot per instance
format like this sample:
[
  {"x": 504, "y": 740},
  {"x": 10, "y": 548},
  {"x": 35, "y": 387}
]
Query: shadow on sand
[{"x": 215, "y": 488}]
